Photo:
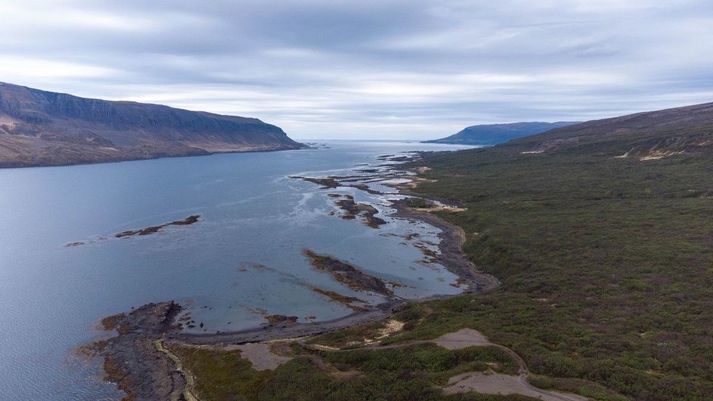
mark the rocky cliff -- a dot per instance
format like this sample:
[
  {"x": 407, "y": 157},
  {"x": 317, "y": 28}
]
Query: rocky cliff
[{"x": 40, "y": 128}]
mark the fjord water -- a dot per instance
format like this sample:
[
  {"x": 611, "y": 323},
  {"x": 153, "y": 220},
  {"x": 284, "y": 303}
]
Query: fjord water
[{"x": 242, "y": 260}]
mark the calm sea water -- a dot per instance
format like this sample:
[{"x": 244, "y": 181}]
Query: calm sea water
[{"x": 241, "y": 261}]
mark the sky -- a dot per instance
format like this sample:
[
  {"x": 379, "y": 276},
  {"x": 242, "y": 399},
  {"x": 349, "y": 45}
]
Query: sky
[{"x": 403, "y": 69}]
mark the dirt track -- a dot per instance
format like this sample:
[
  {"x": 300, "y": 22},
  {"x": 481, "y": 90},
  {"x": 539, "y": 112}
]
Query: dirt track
[{"x": 481, "y": 382}]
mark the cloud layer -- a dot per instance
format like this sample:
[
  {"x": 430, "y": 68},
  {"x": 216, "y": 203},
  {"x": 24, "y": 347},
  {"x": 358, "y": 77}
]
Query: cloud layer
[{"x": 382, "y": 69}]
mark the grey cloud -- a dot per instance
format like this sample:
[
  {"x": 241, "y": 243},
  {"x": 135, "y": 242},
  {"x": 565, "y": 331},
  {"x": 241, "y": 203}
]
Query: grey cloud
[{"x": 325, "y": 68}]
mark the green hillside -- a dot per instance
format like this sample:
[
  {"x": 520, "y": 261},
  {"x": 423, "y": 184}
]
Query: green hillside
[{"x": 602, "y": 235}]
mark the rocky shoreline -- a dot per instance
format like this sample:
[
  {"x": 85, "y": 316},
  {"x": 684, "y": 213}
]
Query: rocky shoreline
[
  {"x": 451, "y": 254},
  {"x": 133, "y": 361}
]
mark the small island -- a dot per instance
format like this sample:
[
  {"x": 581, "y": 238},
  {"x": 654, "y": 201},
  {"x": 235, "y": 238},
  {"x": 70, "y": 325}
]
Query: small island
[{"x": 154, "y": 229}]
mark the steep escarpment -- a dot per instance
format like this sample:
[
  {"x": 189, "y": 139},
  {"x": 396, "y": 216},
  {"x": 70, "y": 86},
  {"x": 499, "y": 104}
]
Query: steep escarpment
[{"x": 39, "y": 128}]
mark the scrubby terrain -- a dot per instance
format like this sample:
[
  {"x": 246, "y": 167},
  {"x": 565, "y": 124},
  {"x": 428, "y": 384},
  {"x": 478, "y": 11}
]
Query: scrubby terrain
[{"x": 602, "y": 237}]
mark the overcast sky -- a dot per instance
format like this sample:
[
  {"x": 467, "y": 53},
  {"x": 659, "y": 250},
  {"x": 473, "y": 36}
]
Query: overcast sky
[{"x": 360, "y": 69}]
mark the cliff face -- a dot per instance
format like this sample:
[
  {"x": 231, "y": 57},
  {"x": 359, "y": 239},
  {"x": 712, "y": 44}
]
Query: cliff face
[{"x": 40, "y": 128}]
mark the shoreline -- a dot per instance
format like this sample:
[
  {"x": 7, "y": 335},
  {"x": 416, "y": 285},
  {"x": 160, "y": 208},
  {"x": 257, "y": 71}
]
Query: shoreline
[
  {"x": 290, "y": 330},
  {"x": 6, "y": 166},
  {"x": 451, "y": 257},
  {"x": 451, "y": 254},
  {"x": 124, "y": 350}
]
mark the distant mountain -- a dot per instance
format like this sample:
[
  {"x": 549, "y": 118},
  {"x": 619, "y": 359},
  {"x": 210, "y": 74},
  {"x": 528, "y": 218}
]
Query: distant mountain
[
  {"x": 493, "y": 134},
  {"x": 40, "y": 128}
]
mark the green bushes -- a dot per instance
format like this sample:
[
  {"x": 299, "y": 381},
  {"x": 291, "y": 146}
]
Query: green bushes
[
  {"x": 427, "y": 358},
  {"x": 402, "y": 374},
  {"x": 605, "y": 264}
]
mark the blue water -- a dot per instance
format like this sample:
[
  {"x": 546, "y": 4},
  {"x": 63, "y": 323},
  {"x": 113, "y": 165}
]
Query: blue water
[{"x": 242, "y": 260}]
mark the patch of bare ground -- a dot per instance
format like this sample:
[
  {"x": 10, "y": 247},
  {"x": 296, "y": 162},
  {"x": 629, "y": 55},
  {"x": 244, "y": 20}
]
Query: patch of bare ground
[
  {"x": 462, "y": 338},
  {"x": 487, "y": 382},
  {"x": 490, "y": 382},
  {"x": 270, "y": 355},
  {"x": 261, "y": 355},
  {"x": 370, "y": 334},
  {"x": 391, "y": 327},
  {"x": 496, "y": 383},
  {"x": 659, "y": 154}
]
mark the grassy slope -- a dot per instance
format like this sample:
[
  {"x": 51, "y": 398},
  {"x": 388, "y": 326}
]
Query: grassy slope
[{"x": 606, "y": 263}]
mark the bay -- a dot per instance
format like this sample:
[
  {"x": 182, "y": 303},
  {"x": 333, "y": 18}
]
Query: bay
[{"x": 241, "y": 261}]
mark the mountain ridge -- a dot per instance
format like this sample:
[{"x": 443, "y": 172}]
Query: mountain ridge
[
  {"x": 42, "y": 128},
  {"x": 645, "y": 135},
  {"x": 493, "y": 134}
]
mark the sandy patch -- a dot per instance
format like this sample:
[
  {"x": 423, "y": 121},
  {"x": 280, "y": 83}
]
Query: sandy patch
[
  {"x": 7, "y": 120},
  {"x": 495, "y": 383},
  {"x": 392, "y": 326},
  {"x": 659, "y": 154},
  {"x": 625, "y": 155},
  {"x": 462, "y": 338},
  {"x": 261, "y": 356}
]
